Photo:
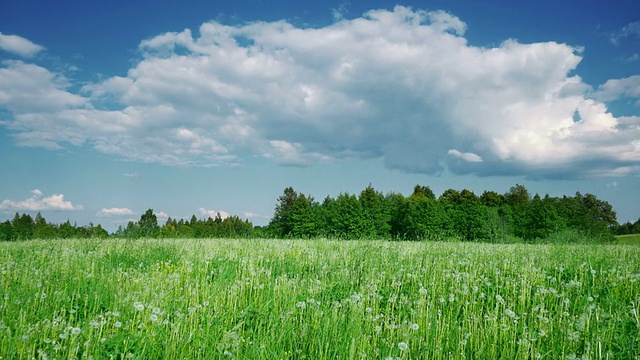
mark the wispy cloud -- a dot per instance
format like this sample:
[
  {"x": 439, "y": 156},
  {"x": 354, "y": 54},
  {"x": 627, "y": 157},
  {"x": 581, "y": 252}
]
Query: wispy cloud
[
  {"x": 114, "y": 212},
  {"x": 631, "y": 30},
  {"x": 38, "y": 203},
  {"x": 19, "y": 46},
  {"x": 404, "y": 86}
]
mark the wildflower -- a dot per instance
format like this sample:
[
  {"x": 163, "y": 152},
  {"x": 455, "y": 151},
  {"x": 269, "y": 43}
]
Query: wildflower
[
  {"x": 138, "y": 306},
  {"x": 301, "y": 305},
  {"x": 75, "y": 331},
  {"x": 402, "y": 346},
  {"x": 117, "y": 324},
  {"x": 414, "y": 326},
  {"x": 499, "y": 299},
  {"x": 154, "y": 317}
]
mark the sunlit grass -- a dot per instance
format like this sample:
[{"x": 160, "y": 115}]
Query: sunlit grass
[
  {"x": 317, "y": 299},
  {"x": 632, "y": 239}
]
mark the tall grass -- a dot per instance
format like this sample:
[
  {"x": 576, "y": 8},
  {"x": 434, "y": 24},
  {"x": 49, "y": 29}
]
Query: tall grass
[{"x": 317, "y": 299}]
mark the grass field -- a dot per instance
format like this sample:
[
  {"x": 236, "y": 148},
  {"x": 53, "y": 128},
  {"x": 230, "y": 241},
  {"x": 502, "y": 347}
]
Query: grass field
[
  {"x": 633, "y": 239},
  {"x": 317, "y": 299}
]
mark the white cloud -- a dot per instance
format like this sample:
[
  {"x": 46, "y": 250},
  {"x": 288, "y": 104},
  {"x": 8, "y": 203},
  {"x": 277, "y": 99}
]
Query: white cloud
[
  {"x": 620, "y": 88},
  {"x": 400, "y": 85},
  {"x": 162, "y": 215},
  {"x": 37, "y": 203},
  {"x": 468, "y": 157},
  {"x": 252, "y": 215},
  {"x": 114, "y": 212},
  {"x": 212, "y": 213},
  {"x": 19, "y": 45}
]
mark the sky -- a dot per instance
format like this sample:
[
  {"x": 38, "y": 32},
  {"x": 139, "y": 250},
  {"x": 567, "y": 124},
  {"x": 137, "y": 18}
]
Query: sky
[{"x": 110, "y": 108}]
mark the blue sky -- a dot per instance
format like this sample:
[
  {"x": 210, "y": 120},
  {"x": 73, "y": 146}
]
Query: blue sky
[{"x": 110, "y": 108}]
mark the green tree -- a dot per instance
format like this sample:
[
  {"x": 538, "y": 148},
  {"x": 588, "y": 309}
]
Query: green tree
[
  {"x": 23, "y": 226},
  {"x": 541, "y": 219},
  {"x": 491, "y": 199},
  {"x": 148, "y": 224},
  {"x": 295, "y": 215},
  {"x": 517, "y": 195},
  {"x": 6, "y": 231},
  {"x": 66, "y": 230},
  {"x": 376, "y": 213},
  {"x": 422, "y": 218},
  {"x": 425, "y": 191},
  {"x": 348, "y": 219},
  {"x": 42, "y": 229}
]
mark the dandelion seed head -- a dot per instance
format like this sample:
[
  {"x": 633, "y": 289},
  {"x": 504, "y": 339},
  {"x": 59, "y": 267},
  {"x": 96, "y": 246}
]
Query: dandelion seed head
[
  {"x": 138, "y": 306},
  {"x": 415, "y": 326},
  {"x": 402, "y": 346},
  {"x": 75, "y": 331}
]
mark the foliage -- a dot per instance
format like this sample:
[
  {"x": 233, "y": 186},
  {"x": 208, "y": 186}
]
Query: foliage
[
  {"x": 24, "y": 227},
  {"x": 455, "y": 214}
]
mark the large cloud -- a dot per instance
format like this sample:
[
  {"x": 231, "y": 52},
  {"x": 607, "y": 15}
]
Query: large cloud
[
  {"x": 400, "y": 85},
  {"x": 38, "y": 203}
]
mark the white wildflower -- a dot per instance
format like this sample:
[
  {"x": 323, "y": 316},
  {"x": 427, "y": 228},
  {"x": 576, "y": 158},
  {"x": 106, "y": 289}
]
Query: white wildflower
[{"x": 402, "y": 346}]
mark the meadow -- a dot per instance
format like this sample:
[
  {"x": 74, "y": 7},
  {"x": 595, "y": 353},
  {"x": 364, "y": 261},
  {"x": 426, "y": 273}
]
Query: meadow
[{"x": 317, "y": 299}]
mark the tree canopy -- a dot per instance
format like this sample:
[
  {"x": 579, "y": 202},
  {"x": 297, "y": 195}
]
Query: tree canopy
[{"x": 462, "y": 214}]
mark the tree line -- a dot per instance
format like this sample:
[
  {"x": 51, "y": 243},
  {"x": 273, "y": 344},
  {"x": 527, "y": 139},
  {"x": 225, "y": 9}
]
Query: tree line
[
  {"x": 490, "y": 217},
  {"x": 24, "y": 227},
  {"x": 147, "y": 226}
]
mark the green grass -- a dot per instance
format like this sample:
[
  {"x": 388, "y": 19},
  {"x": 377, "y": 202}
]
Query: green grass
[
  {"x": 317, "y": 299},
  {"x": 633, "y": 239}
]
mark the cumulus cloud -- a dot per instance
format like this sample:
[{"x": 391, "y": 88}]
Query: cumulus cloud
[
  {"x": 38, "y": 203},
  {"x": 404, "y": 86},
  {"x": 19, "y": 46},
  {"x": 212, "y": 213},
  {"x": 162, "y": 215},
  {"x": 114, "y": 212}
]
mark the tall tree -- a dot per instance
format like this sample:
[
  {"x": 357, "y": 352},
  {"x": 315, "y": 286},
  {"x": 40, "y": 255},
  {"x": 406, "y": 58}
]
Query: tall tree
[
  {"x": 425, "y": 191},
  {"x": 148, "y": 224},
  {"x": 376, "y": 213}
]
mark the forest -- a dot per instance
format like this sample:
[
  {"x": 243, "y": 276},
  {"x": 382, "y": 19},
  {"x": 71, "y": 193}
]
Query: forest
[{"x": 515, "y": 216}]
